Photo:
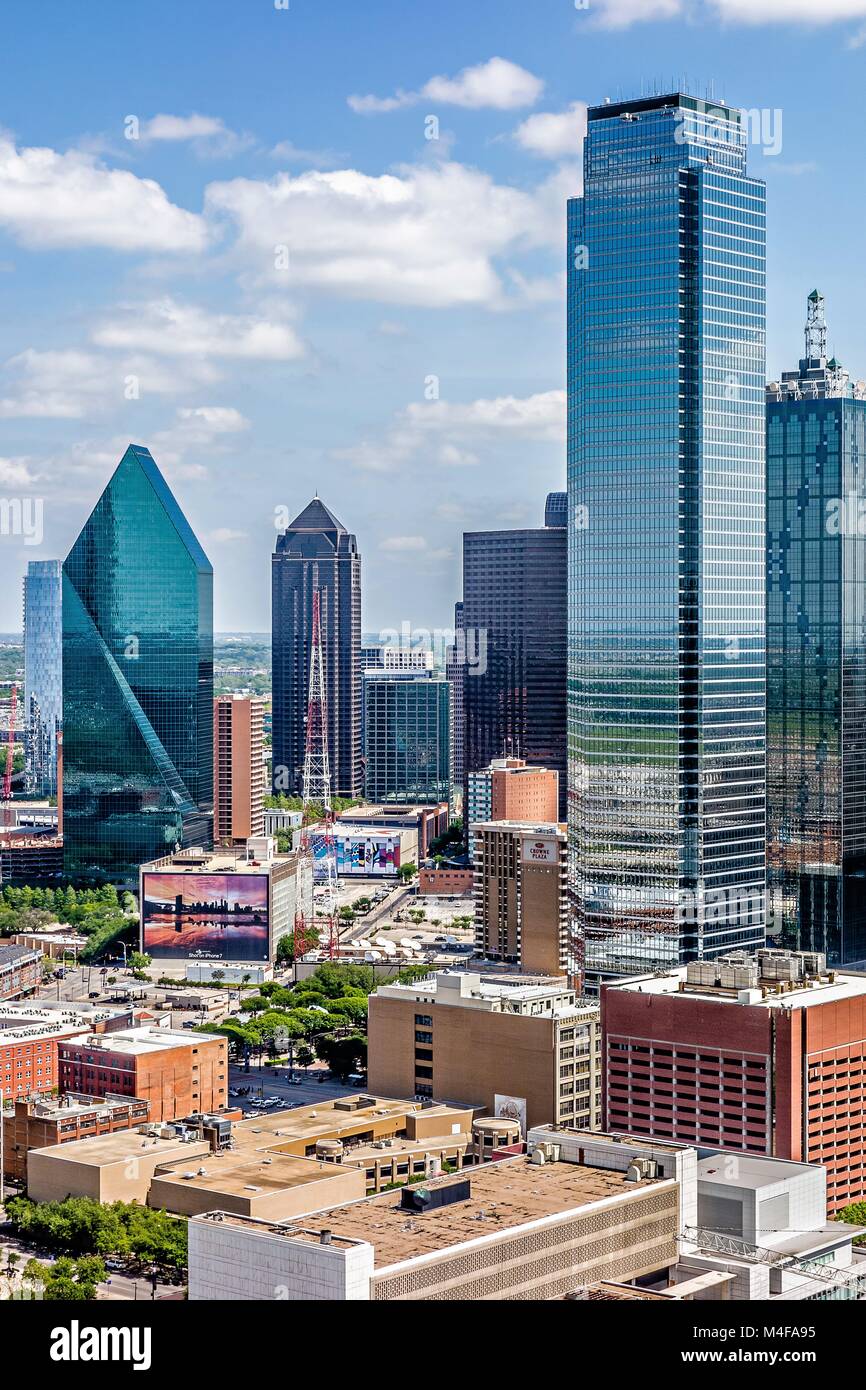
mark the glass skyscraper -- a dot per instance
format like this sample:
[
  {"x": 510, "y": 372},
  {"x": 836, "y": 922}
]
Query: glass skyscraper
[
  {"x": 666, "y": 320},
  {"x": 43, "y": 674},
  {"x": 816, "y": 653},
  {"x": 514, "y": 647},
  {"x": 137, "y": 680},
  {"x": 406, "y": 740},
  {"x": 316, "y": 552}
]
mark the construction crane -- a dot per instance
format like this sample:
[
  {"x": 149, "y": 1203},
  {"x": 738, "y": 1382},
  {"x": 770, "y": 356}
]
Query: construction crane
[
  {"x": 10, "y": 743},
  {"x": 316, "y": 791}
]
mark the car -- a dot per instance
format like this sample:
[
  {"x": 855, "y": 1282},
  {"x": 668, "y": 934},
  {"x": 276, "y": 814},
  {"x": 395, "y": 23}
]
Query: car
[
  {"x": 113, "y": 1264},
  {"x": 233, "y": 1093},
  {"x": 94, "y": 994}
]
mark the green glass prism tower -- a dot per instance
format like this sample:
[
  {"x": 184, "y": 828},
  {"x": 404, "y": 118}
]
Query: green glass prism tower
[
  {"x": 137, "y": 681},
  {"x": 816, "y": 653},
  {"x": 666, "y": 685}
]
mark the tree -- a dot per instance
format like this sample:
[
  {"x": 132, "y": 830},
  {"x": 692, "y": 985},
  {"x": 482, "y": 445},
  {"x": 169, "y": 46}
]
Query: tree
[
  {"x": 855, "y": 1215},
  {"x": 343, "y": 1055},
  {"x": 305, "y": 1056},
  {"x": 406, "y": 871},
  {"x": 139, "y": 961}
]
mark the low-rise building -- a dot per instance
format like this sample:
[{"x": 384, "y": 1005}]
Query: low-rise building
[
  {"x": 110, "y": 1168},
  {"x": 30, "y": 1036},
  {"x": 20, "y": 971},
  {"x": 763, "y": 1053},
  {"x": 38, "y": 1122},
  {"x": 277, "y": 1165},
  {"x": 522, "y": 1228},
  {"x": 174, "y": 1072},
  {"x": 445, "y": 881},
  {"x": 427, "y": 821},
  {"x": 509, "y": 1045},
  {"x": 226, "y": 906}
]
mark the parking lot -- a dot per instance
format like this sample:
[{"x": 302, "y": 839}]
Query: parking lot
[{"x": 273, "y": 1083}]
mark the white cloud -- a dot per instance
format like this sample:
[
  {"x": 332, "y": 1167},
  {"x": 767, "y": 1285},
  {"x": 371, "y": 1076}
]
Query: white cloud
[
  {"x": 789, "y": 11},
  {"x": 16, "y": 472},
  {"x": 619, "y": 14},
  {"x": 428, "y": 235},
  {"x": 498, "y": 83},
  {"x": 196, "y": 429},
  {"x": 52, "y": 385},
  {"x": 287, "y": 152},
  {"x": 554, "y": 134},
  {"x": 72, "y": 199},
  {"x": 168, "y": 328},
  {"x": 177, "y": 128},
  {"x": 403, "y": 543},
  {"x": 445, "y": 434},
  {"x": 224, "y": 535}
]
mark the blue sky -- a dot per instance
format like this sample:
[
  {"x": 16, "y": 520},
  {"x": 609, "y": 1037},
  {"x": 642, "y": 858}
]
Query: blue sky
[{"x": 280, "y": 284}]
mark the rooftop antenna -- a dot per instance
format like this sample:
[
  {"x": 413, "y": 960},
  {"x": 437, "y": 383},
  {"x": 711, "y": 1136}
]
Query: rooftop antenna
[{"x": 816, "y": 327}]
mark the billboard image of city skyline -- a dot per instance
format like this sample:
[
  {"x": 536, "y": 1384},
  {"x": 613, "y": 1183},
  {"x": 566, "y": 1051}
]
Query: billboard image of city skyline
[{"x": 205, "y": 916}]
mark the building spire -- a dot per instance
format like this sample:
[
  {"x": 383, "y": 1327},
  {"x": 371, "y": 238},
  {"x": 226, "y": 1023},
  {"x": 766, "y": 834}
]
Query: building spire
[{"x": 816, "y": 328}]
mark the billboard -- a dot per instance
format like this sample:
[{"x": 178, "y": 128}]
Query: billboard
[
  {"x": 511, "y": 1108},
  {"x": 540, "y": 851},
  {"x": 205, "y": 916},
  {"x": 367, "y": 855}
]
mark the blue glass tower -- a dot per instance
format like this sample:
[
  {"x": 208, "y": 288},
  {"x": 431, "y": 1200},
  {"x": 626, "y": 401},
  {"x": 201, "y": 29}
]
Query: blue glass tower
[
  {"x": 666, "y": 688},
  {"x": 43, "y": 674},
  {"x": 816, "y": 653},
  {"x": 137, "y": 680}
]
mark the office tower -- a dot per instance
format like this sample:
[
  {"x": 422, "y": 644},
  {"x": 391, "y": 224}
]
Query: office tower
[
  {"x": 666, "y": 317},
  {"x": 137, "y": 680},
  {"x": 514, "y": 630},
  {"x": 238, "y": 768},
  {"x": 406, "y": 748},
  {"x": 316, "y": 552},
  {"x": 43, "y": 674},
  {"x": 816, "y": 653},
  {"x": 761, "y": 1053},
  {"x": 489, "y": 1041},
  {"x": 455, "y": 671},
  {"x": 521, "y": 895},
  {"x": 509, "y": 789},
  {"x": 556, "y": 509}
]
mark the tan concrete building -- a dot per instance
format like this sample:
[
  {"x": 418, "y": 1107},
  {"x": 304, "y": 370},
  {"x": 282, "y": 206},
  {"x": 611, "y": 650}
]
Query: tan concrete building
[
  {"x": 39, "y": 1122},
  {"x": 465, "y": 1038},
  {"x": 521, "y": 895},
  {"x": 111, "y": 1168},
  {"x": 278, "y": 1166},
  {"x": 238, "y": 768},
  {"x": 520, "y": 1228}
]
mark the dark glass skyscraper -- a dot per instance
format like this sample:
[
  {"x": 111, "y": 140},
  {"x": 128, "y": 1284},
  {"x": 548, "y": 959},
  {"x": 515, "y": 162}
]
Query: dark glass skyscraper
[
  {"x": 666, "y": 319},
  {"x": 406, "y": 742},
  {"x": 137, "y": 680},
  {"x": 316, "y": 552},
  {"x": 816, "y": 653},
  {"x": 514, "y": 645}
]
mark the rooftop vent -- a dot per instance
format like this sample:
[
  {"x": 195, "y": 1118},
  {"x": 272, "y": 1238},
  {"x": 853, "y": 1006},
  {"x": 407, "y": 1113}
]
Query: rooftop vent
[{"x": 430, "y": 1198}]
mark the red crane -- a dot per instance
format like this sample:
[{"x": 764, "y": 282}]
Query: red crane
[{"x": 10, "y": 743}]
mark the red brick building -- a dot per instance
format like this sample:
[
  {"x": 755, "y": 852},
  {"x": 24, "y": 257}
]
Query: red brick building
[
  {"x": 765, "y": 1053},
  {"x": 175, "y": 1073}
]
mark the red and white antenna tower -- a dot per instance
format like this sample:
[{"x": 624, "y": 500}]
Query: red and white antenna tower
[{"x": 317, "y": 781}]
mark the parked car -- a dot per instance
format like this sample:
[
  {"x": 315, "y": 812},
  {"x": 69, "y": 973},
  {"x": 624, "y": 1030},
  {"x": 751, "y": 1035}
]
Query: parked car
[{"x": 94, "y": 994}]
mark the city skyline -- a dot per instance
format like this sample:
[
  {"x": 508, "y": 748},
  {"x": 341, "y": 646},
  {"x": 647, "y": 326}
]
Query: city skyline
[{"x": 219, "y": 353}]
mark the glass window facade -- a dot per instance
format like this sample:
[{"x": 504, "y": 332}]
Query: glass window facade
[
  {"x": 816, "y": 669},
  {"x": 514, "y": 641},
  {"x": 406, "y": 739},
  {"x": 43, "y": 674},
  {"x": 666, "y": 686},
  {"x": 316, "y": 552},
  {"x": 137, "y": 680}
]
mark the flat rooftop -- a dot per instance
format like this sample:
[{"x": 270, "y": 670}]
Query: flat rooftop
[
  {"x": 845, "y": 985},
  {"x": 752, "y": 1171},
  {"x": 311, "y": 1122},
  {"x": 224, "y": 1173},
  {"x": 504, "y": 1194},
  {"x": 104, "y": 1149},
  {"x": 216, "y": 862},
  {"x": 141, "y": 1042}
]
